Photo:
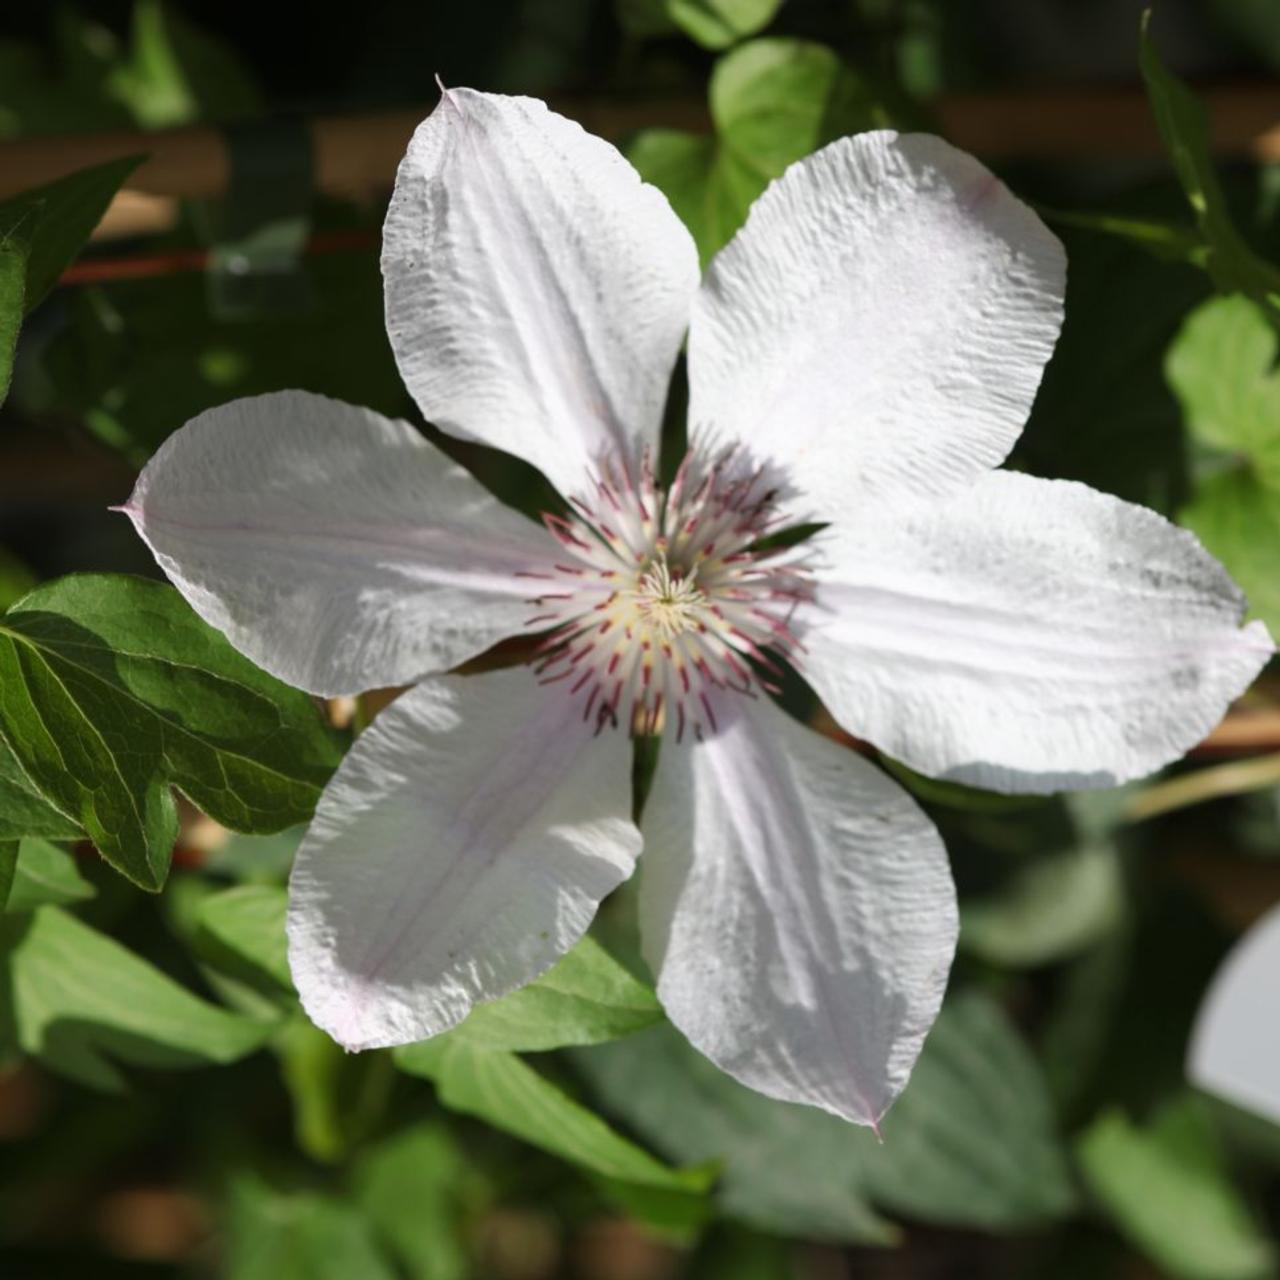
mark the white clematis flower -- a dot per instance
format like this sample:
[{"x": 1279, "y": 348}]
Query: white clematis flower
[{"x": 862, "y": 355}]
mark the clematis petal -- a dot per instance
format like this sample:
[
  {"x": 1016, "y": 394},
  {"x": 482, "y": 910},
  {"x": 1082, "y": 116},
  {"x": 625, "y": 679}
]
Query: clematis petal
[
  {"x": 798, "y": 910},
  {"x": 1029, "y": 635},
  {"x": 879, "y": 327},
  {"x": 336, "y": 548},
  {"x": 461, "y": 848},
  {"x": 537, "y": 290},
  {"x": 1235, "y": 1047}
]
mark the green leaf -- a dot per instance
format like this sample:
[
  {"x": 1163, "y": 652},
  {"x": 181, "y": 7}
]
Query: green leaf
[
  {"x": 312, "y": 1067},
  {"x": 15, "y": 578},
  {"x": 15, "y": 252},
  {"x": 1238, "y": 520},
  {"x": 1165, "y": 1187},
  {"x": 585, "y": 998},
  {"x": 716, "y": 24},
  {"x": 142, "y": 357},
  {"x": 177, "y": 73},
  {"x": 973, "y": 1138},
  {"x": 645, "y": 18},
  {"x": 1051, "y": 907},
  {"x": 504, "y": 1091},
  {"x": 8, "y": 868},
  {"x": 249, "y": 922},
  {"x": 787, "y": 1169},
  {"x": 422, "y": 1196},
  {"x": 22, "y": 810},
  {"x": 273, "y": 1235},
  {"x": 772, "y": 102},
  {"x": 59, "y": 218},
  {"x": 41, "y": 231},
  {"x": 709, "y": 188},
  {"x": 1184, "y": 129},
  {"x": 45, "y": 874},
  {"x": 112, "y": 690},
  {"x": 1221, "y": 367},
  {"x": 971, "y": 1141},
  {"x": 1104, "y": 414},
  {"x": 80, "y": 1000}
]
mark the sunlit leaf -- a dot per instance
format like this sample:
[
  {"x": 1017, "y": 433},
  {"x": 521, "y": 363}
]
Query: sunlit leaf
[
  {"x": 112, "y": 690},
  {"x": 585, "y": 998},
  {"x": 720, "y": 23},
  {"x": 177, "y": 74},
  {"x": 505, "y": 1091},
  {"x": 81, "y": 1001},
  {"x": 1166, "y": 1188},
  {"x": 249, "y": 921},
  {"x": 1221, "y": 367},
  {"x": 772, "y": 102},
  {"x": 1238, "y": 520}
]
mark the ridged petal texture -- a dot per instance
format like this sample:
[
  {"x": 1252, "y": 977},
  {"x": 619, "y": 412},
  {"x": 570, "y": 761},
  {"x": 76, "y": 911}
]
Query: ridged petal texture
[
  {"x": 879, "y": 326},
  {"x": 1028, "y": 635},
  {"x": 798, "y": 911},
  {"x": 462, "y": 848},
  {"x": 537, "y": 291},
  {"x": 336, "y": 548}
]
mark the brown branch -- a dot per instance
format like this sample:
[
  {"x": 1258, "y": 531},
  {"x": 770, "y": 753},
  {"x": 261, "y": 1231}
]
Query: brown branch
[{"x": 356, "y": 156}]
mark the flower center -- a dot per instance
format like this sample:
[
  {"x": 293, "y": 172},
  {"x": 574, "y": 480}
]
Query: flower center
[{"x": 666, "y": 603}]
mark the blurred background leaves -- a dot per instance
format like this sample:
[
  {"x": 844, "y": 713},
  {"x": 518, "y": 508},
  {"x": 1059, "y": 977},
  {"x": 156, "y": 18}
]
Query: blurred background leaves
[{"x": 166, "y": 1109}]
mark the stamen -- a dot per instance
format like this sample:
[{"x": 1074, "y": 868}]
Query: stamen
[{"x": 663, "y": 599}]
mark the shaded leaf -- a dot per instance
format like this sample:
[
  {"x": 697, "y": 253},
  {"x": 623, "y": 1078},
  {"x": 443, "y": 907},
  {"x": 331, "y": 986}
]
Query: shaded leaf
[
  {"x": 1104, "y": 414},
  {"x": 23, "y": 812},
  {"x": 58, "y": 219},
  {"x": 1184, "y": 129},
  {"x": 973, "y": 1138},
  {"x": 44, "y": 874},
  {"x": 1166, "y": 1188},
  {"x": 970, "y": 1142},
  {"x": 421, "y": 1195},
  {"x": 111, "y": 690},
  {"x": 313, "y": 1067},
  {"x": 273, "y": 1235},
  {"x": 81, "y": 1001},
  {"x": 1050, "y": 908},
  {"x": 142, "y": 357},
  {"x": 15, "y": 251},
  {"x": 8, "y": 868},
  {"x": 785, "y": 1168}
]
